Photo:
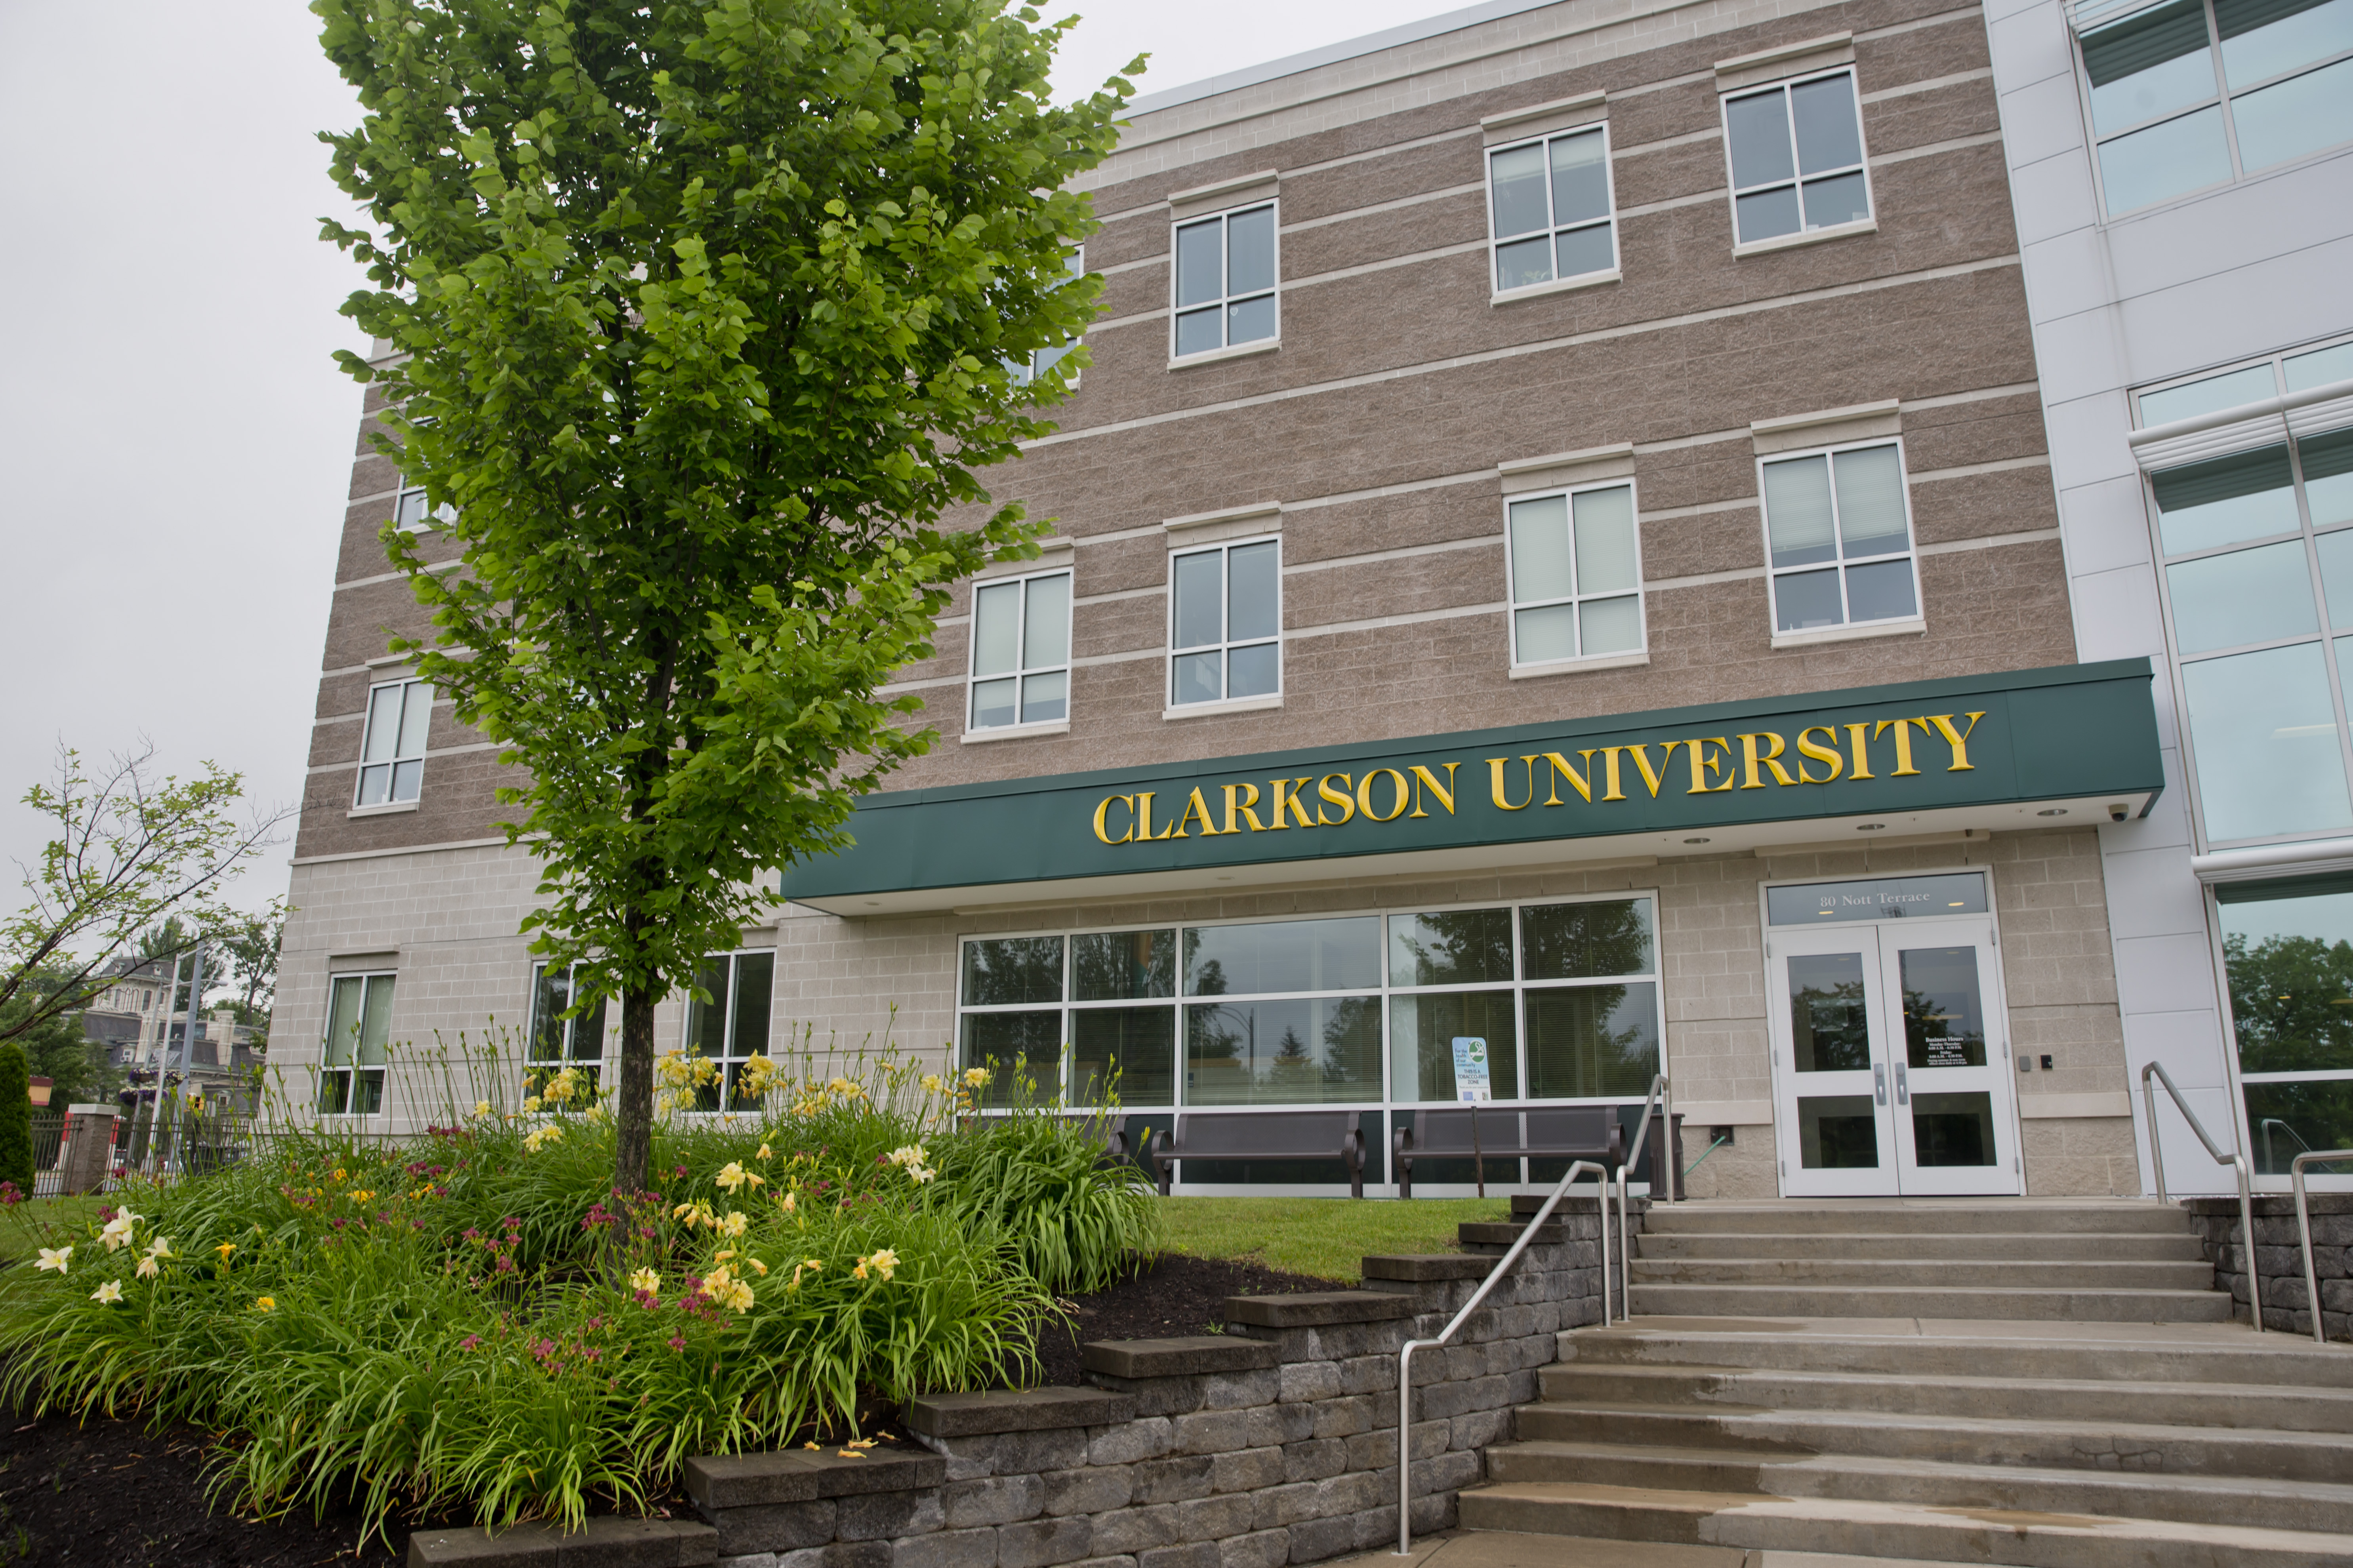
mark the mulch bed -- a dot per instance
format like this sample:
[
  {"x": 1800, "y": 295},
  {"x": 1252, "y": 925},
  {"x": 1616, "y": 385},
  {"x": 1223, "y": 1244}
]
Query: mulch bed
[{"x": 117, "y": 1494}]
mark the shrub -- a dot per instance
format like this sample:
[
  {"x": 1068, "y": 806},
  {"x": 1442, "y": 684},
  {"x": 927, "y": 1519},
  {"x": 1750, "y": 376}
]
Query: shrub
[
  {"x": 472, "y": 1319},
  {"x": 16, "y": 1118}
]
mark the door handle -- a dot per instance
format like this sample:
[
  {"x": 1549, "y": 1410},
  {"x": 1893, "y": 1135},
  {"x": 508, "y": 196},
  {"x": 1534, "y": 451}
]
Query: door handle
[
  {"x": 1902, "y": 1086},
  {"x": 1879, "y": 1083}
]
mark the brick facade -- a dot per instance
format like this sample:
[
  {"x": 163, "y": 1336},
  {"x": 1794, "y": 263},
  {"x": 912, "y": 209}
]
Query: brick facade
[{"x": 1377, "y": 429}]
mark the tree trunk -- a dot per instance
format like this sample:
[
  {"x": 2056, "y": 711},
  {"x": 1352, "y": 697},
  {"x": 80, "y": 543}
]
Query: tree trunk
[{"x": 633, "y": 1098}]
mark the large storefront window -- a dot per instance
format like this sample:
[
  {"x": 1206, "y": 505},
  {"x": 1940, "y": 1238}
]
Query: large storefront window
[
  {"x": 2288, "y": 951},
  {"x": 1563, "y": 997}
]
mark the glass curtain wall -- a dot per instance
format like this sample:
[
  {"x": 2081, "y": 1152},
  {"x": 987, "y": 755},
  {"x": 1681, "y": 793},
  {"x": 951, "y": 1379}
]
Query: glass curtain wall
[
  {"x": 1286, "y": 1013},
  {"x": 2287, "y": 954}
]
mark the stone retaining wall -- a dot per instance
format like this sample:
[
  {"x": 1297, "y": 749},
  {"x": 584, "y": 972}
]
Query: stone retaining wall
[
  {"x": 1272, "y": 1443},
  {"x": 2279, "y": 1258}
]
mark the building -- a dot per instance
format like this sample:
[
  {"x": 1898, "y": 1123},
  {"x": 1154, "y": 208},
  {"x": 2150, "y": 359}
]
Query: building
[
  {"x": 2183, "y": 178},
  {"x": 139, "y": 1021},
  {"x": 1555, "y": 549}
]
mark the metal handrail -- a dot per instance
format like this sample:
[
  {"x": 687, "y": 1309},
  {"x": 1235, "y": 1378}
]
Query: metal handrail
[
  {"x": 2238, "y": 1164},
  {"x": 1405, "y": 1354},
  {"x": 2303, "y": 1225},
  {"x": 1660, "y": 1096},
  {"x": 2271, "y": 1160}
]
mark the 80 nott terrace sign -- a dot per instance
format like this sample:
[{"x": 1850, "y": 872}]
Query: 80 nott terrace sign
[{"x": 2028, "y": 735}]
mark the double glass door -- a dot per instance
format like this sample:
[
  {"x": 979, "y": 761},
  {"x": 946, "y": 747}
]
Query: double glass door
[{"x": 1891, "y": 1061}]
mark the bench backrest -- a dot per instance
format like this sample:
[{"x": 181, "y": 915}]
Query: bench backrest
[
  {"x": 1275, "y": 1132},
  {"x": 1572, "y": 1127},
  {"x": 1449, "y": 1132}
]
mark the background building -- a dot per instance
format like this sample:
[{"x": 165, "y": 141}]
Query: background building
[
  {"x": 2183, "y": 178},
  {"x": 1555, "y": 548}
]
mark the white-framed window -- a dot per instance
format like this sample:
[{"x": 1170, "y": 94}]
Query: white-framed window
[
  {"x": 1020, "y": 651},
  {"x": 408, "y": 511},
  {"x": 1838, "y": 537},
  {"x": 556, "y": 1042},
  {"x": 2257, "y": 583},
  {"x": 1038, "y": 361},
  {"x": 358, "y": 1043},
  {"x": 1223, "y": 287},
  {"x": 1550, "y": 207},
  {"x": 2200, "y": 93},
  {"x": 731, "y": 1026},
  {"x": 1350, "y": 1009},
  {"x": 392, "y": 748},
  {"x": 1574, "y": 563},
  {"x": 1225, "y": 622},
  {"x": 1795, "y": 150}
]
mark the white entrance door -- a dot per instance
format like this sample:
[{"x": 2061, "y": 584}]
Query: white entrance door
[{"x": 1891, "y": 1072}]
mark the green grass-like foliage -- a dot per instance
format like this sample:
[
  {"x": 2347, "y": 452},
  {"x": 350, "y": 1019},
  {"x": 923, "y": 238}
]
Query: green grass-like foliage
[{"x": 466, "y": 1320}]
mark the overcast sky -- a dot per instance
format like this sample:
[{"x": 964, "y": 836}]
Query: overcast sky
[{"x": 174, "y": 436}]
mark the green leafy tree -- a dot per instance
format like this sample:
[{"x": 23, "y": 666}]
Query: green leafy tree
[
  {"x": 58, "y": 1049},
  {"x": 16, "y": 1119},
  {"x": 134, "y": 854},
  {"x": 708, "y": 311}
]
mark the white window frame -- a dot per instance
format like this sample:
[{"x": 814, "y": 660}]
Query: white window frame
[
  {"x": 2223, "y": 94},
  {"x": 1849, "y": 628},
  {"x": 1171, "y": 708},
  {"x": 1732, "y": 192},
  {"x": 568, "y": 1052},
  {"x": 1020, "y": 672},
  {"x": 1026, "y": 371},
  {"x": 352, "y": 1072},
  {"x": 1226, "y": 349},
  {"x": 731, "y": 1057},
  {"x": 1555, "y": 284},
  {"x": 1513, "y": 607},
  {"x": 391, "y": 762}
]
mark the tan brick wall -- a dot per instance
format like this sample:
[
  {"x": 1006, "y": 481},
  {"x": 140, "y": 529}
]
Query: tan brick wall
[{"x": 1397, "y": 389}]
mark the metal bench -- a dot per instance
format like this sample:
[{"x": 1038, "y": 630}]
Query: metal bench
[
  {"x": 1270, "y": 1135},
  {"x": 1558, "y": 1133}
]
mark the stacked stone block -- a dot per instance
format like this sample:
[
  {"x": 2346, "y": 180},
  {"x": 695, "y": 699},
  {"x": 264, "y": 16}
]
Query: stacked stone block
[
  {"x": 2279, "y": 1259},
  {"x": 1274, "y": 1442}
]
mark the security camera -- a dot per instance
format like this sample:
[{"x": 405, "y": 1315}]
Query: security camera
[{"x": 2117, "y": 812}]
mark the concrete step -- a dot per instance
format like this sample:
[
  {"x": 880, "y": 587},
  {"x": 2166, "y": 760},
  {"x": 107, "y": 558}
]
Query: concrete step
[
  {"x": 2203, "y": 1499},
  {"x": 2220, "y": 1353},
  {"x": 1900, "y": 1531},
  {"x": 1941, "y": 1272},
  {"x": 2056, "y": 1443},
  {"x": 2235, "y": 1407},
  {"x": 1509, "y": 1549},
  {"x": 2005, "y": 1247},
  {"x": 2015, "y": 1217},
  {"x": 2135, "y": 1305}
]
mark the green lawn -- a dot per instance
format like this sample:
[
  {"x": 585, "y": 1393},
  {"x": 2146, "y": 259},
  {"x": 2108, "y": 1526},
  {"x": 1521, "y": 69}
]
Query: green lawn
[
  {"x": 1321, "y": 1236},
  {"x": 27, "y": 1225}
]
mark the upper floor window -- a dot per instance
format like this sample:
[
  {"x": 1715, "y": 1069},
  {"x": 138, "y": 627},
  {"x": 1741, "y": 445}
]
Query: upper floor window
[
  {"x": 408, "y": 511},
  {"x": 2258, "y": 588},
  {"x": 2299, "y": 370},
  {"x": 1225, "y": 281},
  {"x": 1576, "y": 569},
  {"x": 1020, "y": 651},
  {"x": 1225, "y": 623},
  {"x": 1548, "y": 205},
  {"x": 1038, "y": 361},
  {"x": 2197, "y": 92},
  {"x": 391, "y": 752},
  {"x": 358, "y": 1044},
  {"x": 1796, "y": 150},
  {"x": 1838, "y": 534},
  {"x": 557, "y": 1042},
  {"x": 731, "y": 1027}
]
